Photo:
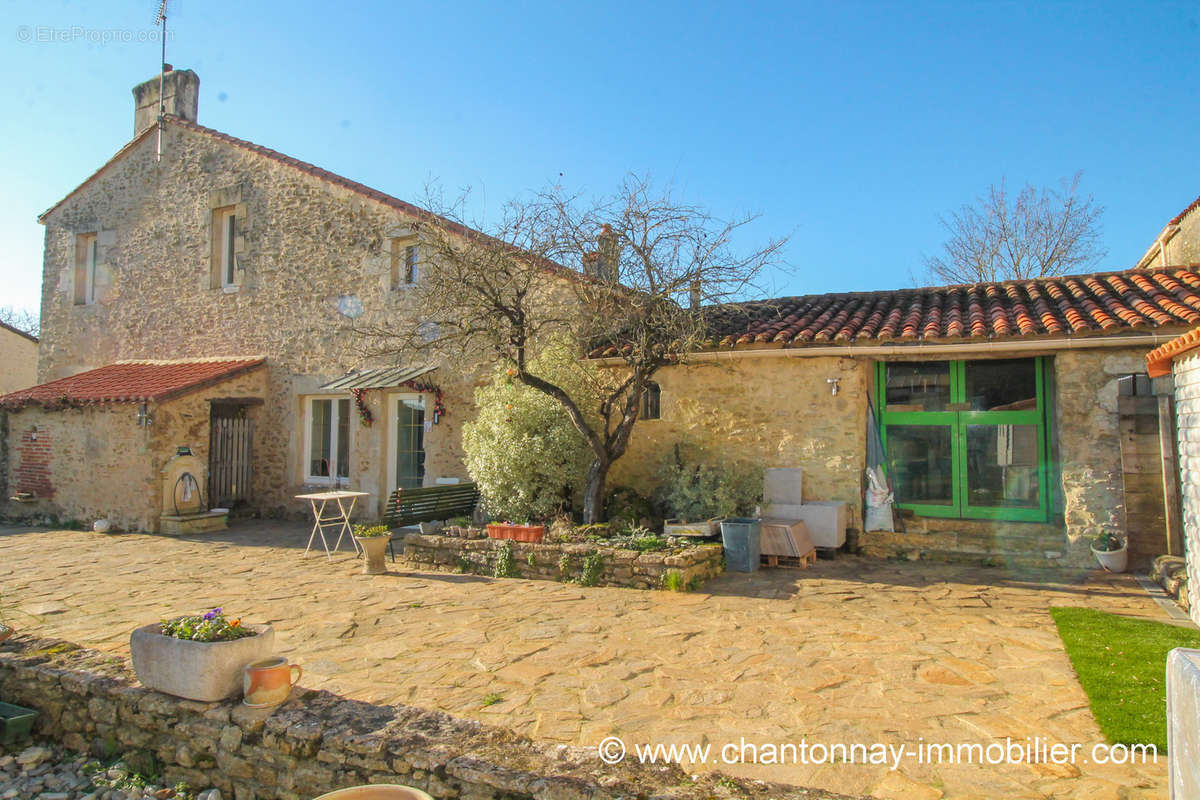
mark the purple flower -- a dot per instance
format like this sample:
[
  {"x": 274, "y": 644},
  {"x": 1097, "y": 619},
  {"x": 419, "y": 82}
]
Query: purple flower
[{"x": 212, "y": 613}]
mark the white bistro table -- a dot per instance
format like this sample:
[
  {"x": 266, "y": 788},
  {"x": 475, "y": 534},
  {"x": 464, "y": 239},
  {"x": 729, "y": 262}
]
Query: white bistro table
[{"x": 339, "y": 518}]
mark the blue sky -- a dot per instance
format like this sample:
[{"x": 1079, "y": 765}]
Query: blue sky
[{"x": 850, "y": 126}]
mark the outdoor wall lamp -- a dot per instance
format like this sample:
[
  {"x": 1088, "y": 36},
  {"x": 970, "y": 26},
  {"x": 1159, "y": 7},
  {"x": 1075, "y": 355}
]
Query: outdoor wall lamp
[
  {"x": 833, "y": 385},
  {"x": 33, "y": 432},
  {"x": 143, "y": 415}
]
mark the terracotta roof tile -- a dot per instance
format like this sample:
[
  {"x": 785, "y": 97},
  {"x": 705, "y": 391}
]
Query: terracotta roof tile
[
  {"x": 131, "y": 382},
  {"x": 1056, "y": 306},
  {"x": 1178, "y": 218},
  {"x": 1158, "y": 361}
]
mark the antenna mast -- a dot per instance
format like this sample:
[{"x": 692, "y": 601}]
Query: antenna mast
[{"x": 160, "y": 19}]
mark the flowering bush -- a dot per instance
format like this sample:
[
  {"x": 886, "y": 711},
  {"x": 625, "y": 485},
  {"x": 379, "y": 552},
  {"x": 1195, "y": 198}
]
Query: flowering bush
[
  {"x": 212, "y": 626},
  {"x": 523, "y": 451}
]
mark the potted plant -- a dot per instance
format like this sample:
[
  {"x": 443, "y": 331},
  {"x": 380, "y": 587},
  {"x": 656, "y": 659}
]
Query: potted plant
[
  {"x": 198, "y": 657},
  {"x": 518, "y": 533},
  {"x": 1110, "y": 551},
  {"x": 374, "y": 540}
]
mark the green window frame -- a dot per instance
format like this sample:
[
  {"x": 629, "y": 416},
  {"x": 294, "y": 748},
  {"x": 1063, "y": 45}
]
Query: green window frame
[{"x": 957, "y": 420}]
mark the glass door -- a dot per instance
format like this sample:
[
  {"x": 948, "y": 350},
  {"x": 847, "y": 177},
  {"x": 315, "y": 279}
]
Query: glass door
[
  {"x": 409, "y": 452},
  {"x": 966, "y": 438}
]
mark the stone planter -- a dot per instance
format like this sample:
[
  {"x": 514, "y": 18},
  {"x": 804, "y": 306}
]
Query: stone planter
[
  {"x": 680, "y": 527},
  {"x": 203, "y": 671},
  {"x": 374, "y": 550},
  {"x": 518, "y": 533},
  {"x": 377, "y": 791},
  {"x": 1112, "y": 560}
]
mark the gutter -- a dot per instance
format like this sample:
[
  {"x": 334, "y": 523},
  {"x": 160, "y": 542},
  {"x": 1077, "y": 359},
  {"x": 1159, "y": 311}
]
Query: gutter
[
  {"x": 1158, "y": 248},
  {"x": 1149, "y": 340}
]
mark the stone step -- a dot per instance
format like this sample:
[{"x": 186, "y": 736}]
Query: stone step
[{"x": 1052, "y": 557}]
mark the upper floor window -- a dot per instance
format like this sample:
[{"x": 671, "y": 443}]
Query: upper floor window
[
  {"x": 651, "y": 400},
  {"x": 406, "y": 258},
  {"x": 85, "y": 269},
  {"x": 224, "y": 239}
]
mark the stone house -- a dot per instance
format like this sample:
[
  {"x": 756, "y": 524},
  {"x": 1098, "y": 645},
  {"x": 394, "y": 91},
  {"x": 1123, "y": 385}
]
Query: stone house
[
  {"x": 1179, "y": 241},
  {"x": 190, "y": 246},
  {"x": 1001, "y": 407},
  {"x": 18, "y": 358}
]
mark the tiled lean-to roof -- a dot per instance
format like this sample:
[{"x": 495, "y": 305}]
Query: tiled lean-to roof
[
  {"x": 131, "y": 382},
  {"x": 1158, "y": 360},
  {"x": 1105, "y": 303}
]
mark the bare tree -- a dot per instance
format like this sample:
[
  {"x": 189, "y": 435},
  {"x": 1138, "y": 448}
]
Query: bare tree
[
  {"x": 627, "y": 277},
  {"x": 20, "y": 318},
  {"x": 1038, "y": 233}
]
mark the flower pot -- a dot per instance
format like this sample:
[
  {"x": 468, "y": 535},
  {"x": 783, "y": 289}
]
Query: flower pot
[
  {"x": 518, "y": 533},
  {"x": 268, "y": 682},
  {"x": 203, "y": 671},
  {"x": 377, "y": 791},
  {"x": 1112, "y": 560},
  {"x": 680, "y": 527},
  {"x": 5, "y": 631},
  {"x": 375, "y": 548}
]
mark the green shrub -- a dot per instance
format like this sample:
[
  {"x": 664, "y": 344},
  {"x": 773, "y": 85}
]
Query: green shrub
[
  {"x": 523, "y": 451},
  {"x": 698, "y": 486}
]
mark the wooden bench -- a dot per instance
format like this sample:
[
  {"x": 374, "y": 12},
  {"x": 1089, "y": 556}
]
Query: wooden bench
[{"x": 429, "y": 504}]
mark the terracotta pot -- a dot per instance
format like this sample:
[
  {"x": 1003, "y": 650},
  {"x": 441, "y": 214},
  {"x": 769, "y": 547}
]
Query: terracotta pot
[
  {"x": 375, "y": 548},
  {"x": 518, "y": 533},
  {"x": 268, "y": 682},
  {"x": 377, "y": 791},
  {"x": 5, "y": 631},
  {"x": 203, "y": 671}
]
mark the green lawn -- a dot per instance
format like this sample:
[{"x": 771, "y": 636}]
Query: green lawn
[{"x": 1121, "y": 664}]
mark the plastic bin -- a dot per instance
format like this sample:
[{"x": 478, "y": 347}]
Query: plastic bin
[
  {"x": 742, "y": 540},
  {"x": 16, "y": 722}
]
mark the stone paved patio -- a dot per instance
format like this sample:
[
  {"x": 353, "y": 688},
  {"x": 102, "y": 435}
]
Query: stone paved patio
[{"x": 853, "y": 650}]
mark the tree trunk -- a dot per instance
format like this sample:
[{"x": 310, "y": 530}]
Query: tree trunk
[{"x": 593, "y": 493}]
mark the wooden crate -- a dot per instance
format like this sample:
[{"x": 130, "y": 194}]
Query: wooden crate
[
  {"x": 788, "y": 562},
  {"x": 785, "y": 537}
]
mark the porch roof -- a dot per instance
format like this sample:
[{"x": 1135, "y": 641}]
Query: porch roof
[
  {"x": 1105, "y": 303},
  {"x": 131, "y": 382},
  {"x": 380, "y": 378}
]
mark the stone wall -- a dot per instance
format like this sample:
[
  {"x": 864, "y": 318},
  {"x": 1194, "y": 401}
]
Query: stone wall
[
  {"x": 617, "y": 567},
  {"x": 774, "y": 411},
  {"x": 96, "y": 462},
  {"x": 1181, "y": 249},
  {"x": 1089, "y": 444},
  {"x": 1187, "y": 415},
  {"x": 18, "y": 360},
  {"x": 318, "y": 741}
]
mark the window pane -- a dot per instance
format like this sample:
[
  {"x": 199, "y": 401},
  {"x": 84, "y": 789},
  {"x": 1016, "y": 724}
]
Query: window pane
[
  {"x": 322, "y": 432},
  {"x": 918, "y": 387},
  {"x": 410, "y": 443},
  {"x": 343, "y": 439},
  {"x": 1002, "y": 463},
  {"x": 410, "y": 264},
  {"x": 230, "y": 233},
  {"x": 1007, "y": 384},
  {"x": 921, "y": 463}
]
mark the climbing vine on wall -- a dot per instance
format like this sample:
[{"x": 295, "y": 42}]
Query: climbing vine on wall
[{"x": 421, "y": 387}]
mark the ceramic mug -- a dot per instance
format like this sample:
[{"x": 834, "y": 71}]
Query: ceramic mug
[{"x": 268, "y": 682}]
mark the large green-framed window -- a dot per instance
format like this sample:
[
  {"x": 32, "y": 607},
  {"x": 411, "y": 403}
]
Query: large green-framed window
[{"x": 967, "y": 438}]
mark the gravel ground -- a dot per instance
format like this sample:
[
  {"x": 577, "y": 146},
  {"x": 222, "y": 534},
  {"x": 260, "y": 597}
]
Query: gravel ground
[{"x": 50, "y": 772}]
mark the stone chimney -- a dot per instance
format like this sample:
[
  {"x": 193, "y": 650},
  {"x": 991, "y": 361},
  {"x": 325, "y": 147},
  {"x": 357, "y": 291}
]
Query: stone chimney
[
  {"x": 608, "y": 254},
  {"x": 181, "y": 91}
]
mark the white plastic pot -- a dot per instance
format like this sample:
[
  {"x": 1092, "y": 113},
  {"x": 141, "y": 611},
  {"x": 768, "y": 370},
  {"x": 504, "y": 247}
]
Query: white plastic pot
[
  {"x": 377, "y": 791},
  {"x": 1112, "y": 560}
]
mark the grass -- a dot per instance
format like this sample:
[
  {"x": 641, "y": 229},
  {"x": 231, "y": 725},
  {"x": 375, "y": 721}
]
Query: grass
[
  {"x": 491, "y": 699},
  {"x": 1121, "y": 664}
]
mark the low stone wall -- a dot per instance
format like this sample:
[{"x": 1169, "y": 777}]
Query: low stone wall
[
  {"x": 318, "y": 741},
  {"x": 591, "y": 564}
]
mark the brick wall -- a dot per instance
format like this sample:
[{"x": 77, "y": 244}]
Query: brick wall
[{"x": 32, "y": 462}]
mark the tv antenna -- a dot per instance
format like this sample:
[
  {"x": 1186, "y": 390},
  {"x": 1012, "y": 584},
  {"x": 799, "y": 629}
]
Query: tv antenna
[{"x": 160, "y": 19}]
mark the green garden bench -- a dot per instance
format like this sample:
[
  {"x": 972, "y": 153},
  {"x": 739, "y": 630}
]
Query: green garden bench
[{"x": 429, "y": 504}]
